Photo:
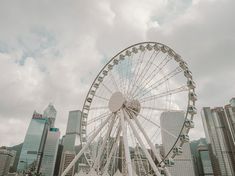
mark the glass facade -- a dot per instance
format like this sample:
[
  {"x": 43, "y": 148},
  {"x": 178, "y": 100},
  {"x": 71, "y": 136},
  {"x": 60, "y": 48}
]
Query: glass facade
[
  {"x": 32, "y": 143},
  {"x": 50, "y": 152},
  {"x": 218, "y": 137}
]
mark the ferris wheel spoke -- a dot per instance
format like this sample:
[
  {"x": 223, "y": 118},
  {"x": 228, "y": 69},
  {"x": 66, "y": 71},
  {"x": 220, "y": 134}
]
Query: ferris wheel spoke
[
  {"x": 145, "y": 70},
  {"x": 98, "y": 108},
  {"x": 155, "y": 72},
  {"x": 157, "y": 125},
  {"x": 130, "y": 62},
  {"x": 157, "y": 154},
  {"x": 159, "y": 109},
  {"x": 136, "y": 70},
  {"x": 114, "y": 81},
  {"x": 101, "y": 150},
  {"x": 94, "y": 119},
  {"x": 161, "y": 81},
  {"x": 106, "y": 87},
  {"x": 137, "y": 153},
  {"x": 164, "y": 94},
  {"x": 113, "y": 150},
  {"x": 154, "y": 167},
  {"x": 100, "y": 97}
]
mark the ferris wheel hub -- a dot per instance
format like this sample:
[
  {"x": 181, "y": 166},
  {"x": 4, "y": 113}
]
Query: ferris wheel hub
[{"x": 116, "y": 101}]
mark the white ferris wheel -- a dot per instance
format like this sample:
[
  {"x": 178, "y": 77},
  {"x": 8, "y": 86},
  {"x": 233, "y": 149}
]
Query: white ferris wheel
[{"x": 120, "y": 123}]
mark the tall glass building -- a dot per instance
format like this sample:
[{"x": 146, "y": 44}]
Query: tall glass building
[
  {"x": 34, "y": 138},
  {"x": 219, "y": 138},
  {"x": 172, "y": 122},
  {"x": 50, "y": 152},
  {"x": 50, "y": 114}
]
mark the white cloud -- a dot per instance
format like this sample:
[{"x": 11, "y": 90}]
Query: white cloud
[{"x": 50, "y": 51}]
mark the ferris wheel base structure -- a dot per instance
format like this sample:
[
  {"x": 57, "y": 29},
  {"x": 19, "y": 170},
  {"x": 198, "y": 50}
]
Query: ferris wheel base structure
[{"x": 120, "y": 125}]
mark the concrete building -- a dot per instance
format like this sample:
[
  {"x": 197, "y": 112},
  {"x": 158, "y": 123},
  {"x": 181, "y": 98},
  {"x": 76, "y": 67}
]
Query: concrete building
[
  {"x": 220, "y": 140},
  {"x": 173, "y": 122},
  {"x": 50, "y": 152},
  {"x": 6, "y": 160},
  {"x": 66, "y": 159}
]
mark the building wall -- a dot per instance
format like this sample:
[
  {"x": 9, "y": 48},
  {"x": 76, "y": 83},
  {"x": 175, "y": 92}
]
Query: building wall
[
  {"x": 215, "y": 123},
  {"x": 50, "y": 152},
  {"x": 67, "y": 158},
  {"x": 173, "y": 122},
  {"x": 6, "y": 160},
  {"x": 32, "y": 143}
]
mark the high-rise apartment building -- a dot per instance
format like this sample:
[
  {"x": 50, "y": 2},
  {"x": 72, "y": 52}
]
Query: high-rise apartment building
[
  {"x": 218, "y": 129},
  {"x": 50, "y": 152},
  {"x": 6, "y": 160},
  {"x": 172, "y": 122}
]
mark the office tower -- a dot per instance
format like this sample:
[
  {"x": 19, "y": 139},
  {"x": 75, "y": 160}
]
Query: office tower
[
  {"x": 50, "y": 152},
  {"x": 204, "y": 161},
  {"x": 6, "y": 160},
  {"x": 66, "y": 159},
  {"x": 219, "y": 138},
  {"x": 50, "y": 114},
  {"x": 58, "y": 159},
  {"x": 201, "y": 158},
  {"x": 172, "y": 122},
  {"x": 72, "y": 137},
  {"x": 230, "y": 112},
  {"x": 33, "y": 142}
]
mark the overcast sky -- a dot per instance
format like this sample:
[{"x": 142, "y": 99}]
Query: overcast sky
[{"x": 50, "y": 51}]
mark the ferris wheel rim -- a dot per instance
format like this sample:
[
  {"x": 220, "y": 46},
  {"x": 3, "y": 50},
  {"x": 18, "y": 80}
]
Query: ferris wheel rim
[{"x": 110, "y": 61}]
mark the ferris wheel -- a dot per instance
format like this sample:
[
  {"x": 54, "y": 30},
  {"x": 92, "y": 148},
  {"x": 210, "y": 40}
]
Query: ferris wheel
[{"x": 122, "y": 112}]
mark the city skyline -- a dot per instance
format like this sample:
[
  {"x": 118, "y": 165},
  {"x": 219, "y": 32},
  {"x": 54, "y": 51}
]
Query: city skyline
[{"x": 33, "y": 57}]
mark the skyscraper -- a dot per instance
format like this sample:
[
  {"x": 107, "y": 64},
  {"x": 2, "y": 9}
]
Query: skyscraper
[
  {"x": 50, "y": 114},
  {"x": 72, "y": 137},
  {"x": 6, "y": 160},
  {"x": 219, "y": 138},
  {"x": 66, "y": 159},
  {"x": 50, "y": 152},
  {"x": 201, "y": 158},
  {"x": 70, "y": 140},
  {"x": 35, "y": 137},
  {"x": 172, "y": 122}
]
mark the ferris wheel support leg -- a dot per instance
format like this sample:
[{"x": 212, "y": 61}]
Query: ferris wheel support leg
[
  {"x": 154, "y": 167},
  {"x": 85, "y": 147},
  {"x": 103, "y": 143},
  {"x": 156, "y": 153},
  {"x": 112, "y": 151},
  {"x": 126, "y": 146}
]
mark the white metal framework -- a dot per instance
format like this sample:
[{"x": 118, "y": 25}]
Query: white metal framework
[{"x": 120, "y": 123}]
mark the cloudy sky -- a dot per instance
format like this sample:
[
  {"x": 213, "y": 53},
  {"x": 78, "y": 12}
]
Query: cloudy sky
[{"x": 50, "y": 51}]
